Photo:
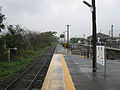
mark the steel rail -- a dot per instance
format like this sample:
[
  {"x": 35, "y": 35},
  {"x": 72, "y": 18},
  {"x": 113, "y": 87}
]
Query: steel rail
[
  {"x": 33, "y": 81},
  {"x": 7, "y": 88},
  {"x": 29, "y": 87}
]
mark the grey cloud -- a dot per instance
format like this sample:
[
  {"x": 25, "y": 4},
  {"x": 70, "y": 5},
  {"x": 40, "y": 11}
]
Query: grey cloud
[{"x": 55, "y": 14}]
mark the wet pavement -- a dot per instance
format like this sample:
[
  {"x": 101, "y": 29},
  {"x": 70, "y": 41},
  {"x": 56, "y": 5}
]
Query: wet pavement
[
  {"x": 80, "y": 69},
  {"x": 84, "y": 79}
]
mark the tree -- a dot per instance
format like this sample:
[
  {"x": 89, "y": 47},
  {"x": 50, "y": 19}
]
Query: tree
[
  {"x": 14, "y": 37},
  {"x": 38, "y": 40},
  {"x": 11, "y": 39},
  {"x": 2, "y": 18},
  {"x": 50, "y": 35},
  {"x": 61, "y": 35},
  {"x": 75, "y": 40}
]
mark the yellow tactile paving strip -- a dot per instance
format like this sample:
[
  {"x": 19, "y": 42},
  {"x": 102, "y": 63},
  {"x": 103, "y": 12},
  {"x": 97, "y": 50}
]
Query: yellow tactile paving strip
[
  {"x": 67, "y": 78},
  {"x": 83, "y": 56},
  {"x": 75, "y": 55}
]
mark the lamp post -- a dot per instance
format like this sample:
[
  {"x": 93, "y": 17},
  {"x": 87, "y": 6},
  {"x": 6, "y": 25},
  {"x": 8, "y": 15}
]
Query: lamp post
[
  {"x": 93, "y": 9},
  {"x": 68, "y": 27},
  {"x": 64, "y": 40},
  {"x": 9, "y": 52},
  {"x": 84, "y": 38}
]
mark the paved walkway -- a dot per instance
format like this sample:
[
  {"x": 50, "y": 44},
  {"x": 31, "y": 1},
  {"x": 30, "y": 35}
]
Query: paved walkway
[
  {"x": 70, "y": 72},
  {"x": 84, "y": 79},
  {"x": 58, "y": 76}
]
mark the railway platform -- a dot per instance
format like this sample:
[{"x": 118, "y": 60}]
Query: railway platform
[{"x": 74, "y": 72}]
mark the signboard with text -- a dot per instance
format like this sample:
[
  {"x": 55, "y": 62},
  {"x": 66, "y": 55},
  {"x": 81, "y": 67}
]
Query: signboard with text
[{"x": 101, "y": 55}]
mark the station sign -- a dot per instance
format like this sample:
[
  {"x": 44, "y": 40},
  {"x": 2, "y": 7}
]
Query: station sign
[{"x": 100, "y": 55}]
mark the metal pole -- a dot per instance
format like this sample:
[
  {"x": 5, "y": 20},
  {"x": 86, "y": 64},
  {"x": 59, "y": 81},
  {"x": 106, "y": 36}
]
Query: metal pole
[
  {"x": 84, "y": 45},
  {"x": 105, "y": 62},
  {"x": 94, "y": 35},
  {"x": 90, "y": 49},
  {"x": 84, "y": 38},
  {"x": 68, "y": 36},
  {"x": 64, "y": 40},
  {"x": 9, "y": 54},
  {"x": 111, "y": 35}
]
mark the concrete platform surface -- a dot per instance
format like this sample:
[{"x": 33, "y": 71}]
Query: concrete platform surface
[
  {"x": 79, "y": 73},
  {"x": 54, "y": 79},
  {"x": 58, "y": 76}
]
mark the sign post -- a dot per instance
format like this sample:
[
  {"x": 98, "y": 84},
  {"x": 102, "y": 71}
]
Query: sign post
[
  {"x": 101, "y": 57},
  {"x": 105, "y": 62}
]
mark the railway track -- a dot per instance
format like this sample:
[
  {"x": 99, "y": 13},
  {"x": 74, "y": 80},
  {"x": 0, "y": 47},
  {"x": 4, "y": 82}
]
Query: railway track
[{"x": 33, "y": 76}]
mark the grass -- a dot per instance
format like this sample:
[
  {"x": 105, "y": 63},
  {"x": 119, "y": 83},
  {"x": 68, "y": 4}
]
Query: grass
[{"x": 8, "y": 69}]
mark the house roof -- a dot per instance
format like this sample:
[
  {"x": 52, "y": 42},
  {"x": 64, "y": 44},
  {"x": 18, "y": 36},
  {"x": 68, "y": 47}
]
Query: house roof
[{"x": 100, "y": 35}]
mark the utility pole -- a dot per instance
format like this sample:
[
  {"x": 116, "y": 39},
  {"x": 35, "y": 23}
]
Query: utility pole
[
  {"x": 94, "y": 35},
  {"x": 68, "y": 27},
  {"x": 111, "y": 31},
  {"x": 64, "y": 40},
  {"x": 111, "y": 35},
  {"x": 93, "y": 9},
  {"x": 84, "y": 38}
]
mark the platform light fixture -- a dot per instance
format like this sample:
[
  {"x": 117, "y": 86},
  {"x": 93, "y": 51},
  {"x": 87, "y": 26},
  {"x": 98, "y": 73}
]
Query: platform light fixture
[{"x": 87, "y": 4}]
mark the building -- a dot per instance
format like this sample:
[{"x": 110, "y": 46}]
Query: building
[{"x": 101, "y": 38}]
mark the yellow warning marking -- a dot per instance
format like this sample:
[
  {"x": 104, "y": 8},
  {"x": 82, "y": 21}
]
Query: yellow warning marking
[
  {"x": 68, "y": 55},
  {"x": 74, "y": 55},
  {"x": 67, "y": 78},
  {"x": 83, "y": 56}
]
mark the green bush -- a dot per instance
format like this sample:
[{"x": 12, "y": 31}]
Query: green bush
[{"x": 4, "y": 56}]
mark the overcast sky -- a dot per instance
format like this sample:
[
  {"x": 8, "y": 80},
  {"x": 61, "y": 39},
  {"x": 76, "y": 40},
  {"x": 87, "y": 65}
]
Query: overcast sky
[{"x": 45, "y": 15}]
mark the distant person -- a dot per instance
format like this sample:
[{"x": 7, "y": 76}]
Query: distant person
[{"x": 87, "y": 53}]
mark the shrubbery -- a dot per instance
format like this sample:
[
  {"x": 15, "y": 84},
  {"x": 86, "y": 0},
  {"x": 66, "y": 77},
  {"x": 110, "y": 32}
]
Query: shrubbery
[{"x": 25, "y": 41}]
